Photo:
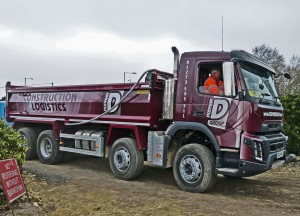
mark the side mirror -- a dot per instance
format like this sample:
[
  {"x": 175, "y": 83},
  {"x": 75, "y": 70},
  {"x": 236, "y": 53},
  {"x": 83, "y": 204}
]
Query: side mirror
[
  {"x": 287, "y": 76},
  {"x": 228, "y": 78}
]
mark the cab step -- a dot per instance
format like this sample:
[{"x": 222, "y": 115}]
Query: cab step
[{"x": 227, "y": 171}]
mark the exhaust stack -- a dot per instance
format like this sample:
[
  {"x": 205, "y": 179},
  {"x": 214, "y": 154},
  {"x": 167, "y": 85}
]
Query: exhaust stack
[
  {"x": 169, "y": 91},
  {"x": 176, "y": 61}
]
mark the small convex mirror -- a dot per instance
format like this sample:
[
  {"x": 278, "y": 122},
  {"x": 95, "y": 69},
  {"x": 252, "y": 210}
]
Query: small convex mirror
[{"x": 288, "y": 76}]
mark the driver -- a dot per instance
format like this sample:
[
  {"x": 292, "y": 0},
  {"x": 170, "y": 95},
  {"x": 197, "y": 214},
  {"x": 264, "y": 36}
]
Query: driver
[{"x": 214, "y": 84}]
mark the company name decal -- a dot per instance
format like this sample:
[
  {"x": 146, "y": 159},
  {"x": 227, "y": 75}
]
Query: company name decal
[
  {"x": 51, "y": 102},
  {"x": 273, "y": 114}
]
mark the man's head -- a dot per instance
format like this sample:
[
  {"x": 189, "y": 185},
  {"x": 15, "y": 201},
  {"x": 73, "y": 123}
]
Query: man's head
[{"x": 216, "y": 73}]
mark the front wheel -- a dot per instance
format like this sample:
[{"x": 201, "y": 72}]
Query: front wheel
[
  {"x": 194, "y": 168},
  {"x": 48, "y": 148},
  {"x": 125, "y": 160}
]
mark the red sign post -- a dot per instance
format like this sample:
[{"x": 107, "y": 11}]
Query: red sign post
[{"x": 11, "y": 180}]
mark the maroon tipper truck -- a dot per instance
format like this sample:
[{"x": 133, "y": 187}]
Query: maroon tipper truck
[{"x": 169, "y": 120}]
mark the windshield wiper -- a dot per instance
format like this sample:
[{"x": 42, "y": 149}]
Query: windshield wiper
[{"x": 262, "y": 99}]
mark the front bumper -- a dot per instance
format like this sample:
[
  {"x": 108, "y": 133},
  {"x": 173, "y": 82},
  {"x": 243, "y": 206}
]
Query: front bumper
[
  {"x": 248, "y": 168},
  {"x": 258, "y": 154}
]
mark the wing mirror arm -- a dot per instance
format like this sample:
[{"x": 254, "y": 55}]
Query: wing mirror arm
[{"x": 286, "y": 75}]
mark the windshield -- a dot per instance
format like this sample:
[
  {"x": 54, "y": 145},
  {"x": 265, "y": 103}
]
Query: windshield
[{"x": 259, "y": 82}]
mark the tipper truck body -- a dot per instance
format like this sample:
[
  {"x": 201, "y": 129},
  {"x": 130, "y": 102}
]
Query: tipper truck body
[{"x": 170, "y": 120}]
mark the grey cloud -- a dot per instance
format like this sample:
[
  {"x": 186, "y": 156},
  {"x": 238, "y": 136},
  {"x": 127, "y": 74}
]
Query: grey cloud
[
  {"x": 62, "y": 69},
  {"x": 247, "y": 24},
  {"x": 198, "y": 21}
]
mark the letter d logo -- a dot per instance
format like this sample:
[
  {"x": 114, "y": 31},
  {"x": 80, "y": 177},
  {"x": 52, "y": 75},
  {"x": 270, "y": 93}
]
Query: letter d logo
[
  {"x": 111, "y": 100},
  {"x": 219, "y": 108}
]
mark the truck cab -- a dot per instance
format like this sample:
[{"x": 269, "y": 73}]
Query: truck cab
[{"x": 241, "y": 126}]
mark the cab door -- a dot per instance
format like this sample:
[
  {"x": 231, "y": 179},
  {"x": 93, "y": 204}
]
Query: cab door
[{"x": 222, "y": 114}]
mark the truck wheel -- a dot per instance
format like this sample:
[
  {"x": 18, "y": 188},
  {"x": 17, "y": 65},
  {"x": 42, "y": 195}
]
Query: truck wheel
[
  {"x": 194, "y": 168},
  {"x": 48, "y": 148},
  {"x": 125, "y": 160},
  {"x": 30, "y": 137}
]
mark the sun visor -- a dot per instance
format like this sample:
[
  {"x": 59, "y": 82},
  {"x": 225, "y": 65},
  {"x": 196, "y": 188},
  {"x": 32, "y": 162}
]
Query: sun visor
[{"x": 244, "y": 56}]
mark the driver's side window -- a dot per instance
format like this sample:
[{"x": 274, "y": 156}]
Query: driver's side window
[{"x": 209, "y": 83}]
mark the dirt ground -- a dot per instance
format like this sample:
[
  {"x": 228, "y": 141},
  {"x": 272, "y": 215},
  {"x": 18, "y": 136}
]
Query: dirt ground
[{"x": 85, "y": 186}]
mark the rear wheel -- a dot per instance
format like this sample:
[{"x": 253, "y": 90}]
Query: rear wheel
[
  {"x": 48, "y": 148},
  {"x": 125, "y": 160},
  {"x": 30, "y": 137},
  {"x": 194, "y": 168}
]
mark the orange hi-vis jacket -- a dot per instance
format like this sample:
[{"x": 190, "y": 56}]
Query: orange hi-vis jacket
[{"x": 213, "y": 86}]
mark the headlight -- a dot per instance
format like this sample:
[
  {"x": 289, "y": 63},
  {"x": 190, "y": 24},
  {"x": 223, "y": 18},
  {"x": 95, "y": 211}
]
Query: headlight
[{"x": 258, "y": 151}]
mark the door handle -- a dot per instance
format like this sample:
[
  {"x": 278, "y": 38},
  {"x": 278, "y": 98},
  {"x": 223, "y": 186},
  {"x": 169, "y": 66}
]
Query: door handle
[{"x": 197, "y": 114}]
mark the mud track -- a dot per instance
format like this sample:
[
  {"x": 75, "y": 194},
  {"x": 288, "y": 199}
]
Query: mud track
[{"x": 85, "y": 186}]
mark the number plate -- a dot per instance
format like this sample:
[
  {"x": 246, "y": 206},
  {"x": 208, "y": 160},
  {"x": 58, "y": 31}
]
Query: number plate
[{"x": 280, "y": 154}]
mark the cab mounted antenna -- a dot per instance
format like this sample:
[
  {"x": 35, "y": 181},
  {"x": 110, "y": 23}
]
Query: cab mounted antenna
[{"x": 222, "y": 33}]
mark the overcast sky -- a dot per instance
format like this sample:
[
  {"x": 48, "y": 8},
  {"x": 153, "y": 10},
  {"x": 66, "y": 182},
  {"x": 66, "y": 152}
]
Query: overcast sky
[{"x": 94, "y": 41}]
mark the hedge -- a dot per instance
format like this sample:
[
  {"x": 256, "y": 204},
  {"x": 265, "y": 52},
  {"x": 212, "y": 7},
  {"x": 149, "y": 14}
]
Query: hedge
[
  {"x": 12, "y": 144},
  {"x": 291, "y": 104}
]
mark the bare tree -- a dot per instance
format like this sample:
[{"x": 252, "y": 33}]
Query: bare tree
[
  {"x": 271, "y": 56},
  {"x": 293, "y": 85}
]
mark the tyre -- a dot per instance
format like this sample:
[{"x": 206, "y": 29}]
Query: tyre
[
  {"x": 30, "y": 137},
  {"x": 125, "y": 160},
  {"x": 194, "y": 168},
  {"x": 48, "y": 148}
]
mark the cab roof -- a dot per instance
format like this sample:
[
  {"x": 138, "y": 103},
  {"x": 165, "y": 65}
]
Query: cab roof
[{"x": 239, "y": 55}]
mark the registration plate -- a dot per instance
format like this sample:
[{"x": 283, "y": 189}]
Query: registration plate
[{"x": 280, "y": 154}]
